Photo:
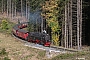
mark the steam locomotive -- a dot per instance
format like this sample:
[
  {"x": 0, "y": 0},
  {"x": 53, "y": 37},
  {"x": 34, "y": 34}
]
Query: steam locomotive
[{"x": 34, "y": 37}]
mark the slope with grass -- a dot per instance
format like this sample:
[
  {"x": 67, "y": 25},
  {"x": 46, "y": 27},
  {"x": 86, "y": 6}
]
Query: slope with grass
[{"x": 17, "y": 51}]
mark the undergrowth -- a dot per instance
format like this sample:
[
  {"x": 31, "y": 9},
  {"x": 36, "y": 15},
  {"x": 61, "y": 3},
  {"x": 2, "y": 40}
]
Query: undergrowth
[
  {"x": 4, "y": 54},
  {"x": 6, "y": 26}
]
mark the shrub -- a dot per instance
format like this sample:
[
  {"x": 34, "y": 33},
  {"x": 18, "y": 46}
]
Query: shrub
[
  {"x": 4, "y": 24},
  {"x": 3, "y": 51}
]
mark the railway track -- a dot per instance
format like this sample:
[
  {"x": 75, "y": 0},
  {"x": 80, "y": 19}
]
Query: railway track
[{"x": 49, "y": 49}]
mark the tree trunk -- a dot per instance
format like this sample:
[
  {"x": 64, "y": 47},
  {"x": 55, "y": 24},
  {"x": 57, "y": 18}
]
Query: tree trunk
[
  {"x": 41, "y": 24},
  {"x": 26, "y": 9},
  {"x": 21, "y": 9},
  {"x": 78, "y": 22},
  {"x": 2, "y": 6},
  {"x": 12, "y": 9},
  {"x": 81, "y": 24},
  {"x": 15, "y": 8},
  {"x": 28, "y": 12},
  {"x": 7, "y": 7},
  {"x": 65, "y": 37},
  {"x": 70, "y": 23},
  {"x": 63, "y": 31}
]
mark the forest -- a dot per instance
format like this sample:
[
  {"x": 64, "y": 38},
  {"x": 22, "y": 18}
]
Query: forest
[
  {"x": 50, "y": 12},
  {"x": 66, "y": 21},
  {"x": 44, "y": 14}
]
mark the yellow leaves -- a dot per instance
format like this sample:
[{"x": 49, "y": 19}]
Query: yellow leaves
[
  {"x": 4, "y": 21},
  {"x": 53, "y": 24},
  {"x": 50, "y": 13},
  {"x": 50, "y": 5},
  {"x": 55, "y": 38},
  {"x": 53, "y": 29}
]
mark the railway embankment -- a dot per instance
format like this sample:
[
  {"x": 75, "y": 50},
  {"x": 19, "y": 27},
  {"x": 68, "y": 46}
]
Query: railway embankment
[{"x": 17, "y": 50}]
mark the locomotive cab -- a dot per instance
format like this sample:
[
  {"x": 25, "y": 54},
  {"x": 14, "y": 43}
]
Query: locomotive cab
[{"x": 47, "y": 40}]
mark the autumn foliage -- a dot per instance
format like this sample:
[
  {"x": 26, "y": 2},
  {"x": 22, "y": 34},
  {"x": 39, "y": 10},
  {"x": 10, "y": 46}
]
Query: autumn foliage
[{"x": 50, "y": 13}]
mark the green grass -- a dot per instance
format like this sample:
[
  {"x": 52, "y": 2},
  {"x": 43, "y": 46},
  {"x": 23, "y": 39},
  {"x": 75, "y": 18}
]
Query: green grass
[
  {"x": 4, "y": 54},
  {"x": 41, "y": 54},
  {"x": 72, "y": 56},
  {"x": 30, "y": 56},
  {"x": 63, "y": 56}
]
